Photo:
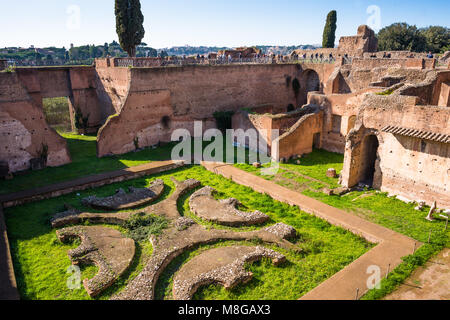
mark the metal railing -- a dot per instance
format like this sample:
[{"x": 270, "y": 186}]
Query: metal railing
[{"x": 129, "y": 62}]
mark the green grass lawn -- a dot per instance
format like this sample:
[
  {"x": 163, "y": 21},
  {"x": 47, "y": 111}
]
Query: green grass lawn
[
  {"x": 41, "y": 262},
  {"x": 83, "y": 151}
]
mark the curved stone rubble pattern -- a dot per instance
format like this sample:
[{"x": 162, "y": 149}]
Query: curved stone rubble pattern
[
  {"x": 122, "y": 200},
  {"x": 173, "y": 243},
  {"x": 168, "y": 207},
  {"x": 225, "y": 266},
  {"x": 72, "y": 216},
  {"x": 183, "y": 234},
  {"x": 224, "y": 212},
  {"x": 106, "y": 248}
]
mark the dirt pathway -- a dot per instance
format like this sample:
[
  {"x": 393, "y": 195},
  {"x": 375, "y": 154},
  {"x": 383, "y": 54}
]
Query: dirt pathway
[{"x": 430, "y": 282}]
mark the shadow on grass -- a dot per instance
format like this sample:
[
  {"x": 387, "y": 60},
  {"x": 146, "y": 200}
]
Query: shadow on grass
[{"x": 83, "y": 151}]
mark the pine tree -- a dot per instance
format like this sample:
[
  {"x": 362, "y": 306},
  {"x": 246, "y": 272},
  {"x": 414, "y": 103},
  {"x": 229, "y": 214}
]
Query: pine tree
[
  {"x": 329, "y": 32},
  {"x": 129, "y": 25}
]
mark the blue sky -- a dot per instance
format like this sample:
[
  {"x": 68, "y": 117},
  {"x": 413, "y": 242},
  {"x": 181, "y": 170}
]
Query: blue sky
[{"x": 205, "y": 22}]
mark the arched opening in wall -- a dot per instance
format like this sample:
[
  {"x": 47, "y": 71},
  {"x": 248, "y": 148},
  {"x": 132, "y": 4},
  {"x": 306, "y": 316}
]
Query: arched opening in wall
[
  {"x": 312, "y": 81},
  {"x": 57, "y": 114},
  {"x": 316, "y": 141},
  {"x": 369, "y": 158}
]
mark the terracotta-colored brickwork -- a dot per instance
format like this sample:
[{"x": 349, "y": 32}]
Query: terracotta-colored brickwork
[{"x": 23, "y": 129}]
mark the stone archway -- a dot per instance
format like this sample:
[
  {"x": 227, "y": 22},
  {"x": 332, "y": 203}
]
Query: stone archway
[
  {"x": 362, "y": 163},
  {"x": 368, "y": 161},
  {"x": 312, "y": 81}
]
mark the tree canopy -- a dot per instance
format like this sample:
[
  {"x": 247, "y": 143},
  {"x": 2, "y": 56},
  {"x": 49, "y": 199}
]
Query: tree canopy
[
  {"x": 401, "y": 36},
  {"x": 129, "y": 25},
  {"x": 437, "y": 38},
  {"x": 329, "y": 32}
]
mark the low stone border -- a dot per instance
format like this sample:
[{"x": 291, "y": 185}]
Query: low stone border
[
  {"x": 89, "y": 182},
  {"x": 8, "y": 284},
  {"x": 123, "y": 200}
]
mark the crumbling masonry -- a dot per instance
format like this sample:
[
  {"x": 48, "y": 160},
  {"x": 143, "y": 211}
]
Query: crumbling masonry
[{"x": 390, "y": 117}]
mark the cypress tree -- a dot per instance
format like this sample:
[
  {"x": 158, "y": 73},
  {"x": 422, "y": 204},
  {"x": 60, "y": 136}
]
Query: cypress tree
[
  {"x": 329, "y": 32},
  {"x": 129, "y": 25}
]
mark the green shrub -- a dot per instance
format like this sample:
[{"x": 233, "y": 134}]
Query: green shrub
[
  {"x": 9, "y": 69},
  {"x": 141, "y": 226}
]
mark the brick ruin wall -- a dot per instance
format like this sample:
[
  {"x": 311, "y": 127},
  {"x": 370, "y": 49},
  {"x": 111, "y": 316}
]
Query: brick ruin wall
[
  {"x": 299, "y": 139},
  {"x": 148, "y": 104},
  {"x": 340, "y": 111},
  {"x": 415, "y": 168},
  {"x": 23, "y": 129},
  {"x": 266, "y": 122},
  {"x": 353, "y": 46},
  {"x": 161, "y": 100}
]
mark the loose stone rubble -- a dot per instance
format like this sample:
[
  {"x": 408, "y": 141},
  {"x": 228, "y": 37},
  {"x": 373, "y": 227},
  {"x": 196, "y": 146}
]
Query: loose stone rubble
[
  {"x": 225, "y": 266},
  {"x": 183, "y": 223},
  {"x": 331, "y": 173},
  {"x": 282, "y": 231},
  {"x": 224, "y": 212}
]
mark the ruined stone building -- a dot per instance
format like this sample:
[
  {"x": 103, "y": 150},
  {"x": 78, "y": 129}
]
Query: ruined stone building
[{"x": 389, "y": 117}]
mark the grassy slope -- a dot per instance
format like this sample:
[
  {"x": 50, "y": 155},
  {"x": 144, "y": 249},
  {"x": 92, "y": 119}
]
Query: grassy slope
[{"x": 41, "y": 261}]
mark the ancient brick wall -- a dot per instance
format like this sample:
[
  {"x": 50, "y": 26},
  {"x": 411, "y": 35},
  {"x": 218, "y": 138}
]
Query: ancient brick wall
[
  {"x": 342, "y": 107},
  {"x": 176, "y": 97},
  {"x": 23, "y": 129},
  {"x": 353, "y": 46},
  {"x": 112, "y": 87},
  {"x": 299, "y": 139},
  {"x": 416, "y": 168},
  {"x": 356, "y": 46},
  {"x": 77, "y": 83}
]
